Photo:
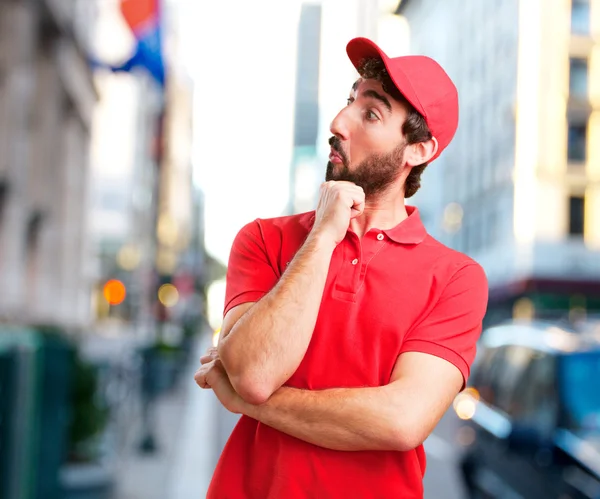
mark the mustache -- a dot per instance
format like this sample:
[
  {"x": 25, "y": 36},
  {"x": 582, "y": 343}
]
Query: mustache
[{"x": 336, "y": 145}]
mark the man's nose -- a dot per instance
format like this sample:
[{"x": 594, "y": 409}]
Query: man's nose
[{"x": 339, "y": 125}]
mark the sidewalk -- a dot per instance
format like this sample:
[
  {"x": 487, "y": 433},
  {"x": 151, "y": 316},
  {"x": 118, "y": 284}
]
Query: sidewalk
[
  {"x": 196, "y": 455},
  {"x": 185, "y": 424}
]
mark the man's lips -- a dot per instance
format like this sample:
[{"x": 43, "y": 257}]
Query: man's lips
[{"x": 334, "y": 157}]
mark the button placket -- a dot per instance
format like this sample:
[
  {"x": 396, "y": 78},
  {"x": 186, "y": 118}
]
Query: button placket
[{"x": 348, "y": 277}]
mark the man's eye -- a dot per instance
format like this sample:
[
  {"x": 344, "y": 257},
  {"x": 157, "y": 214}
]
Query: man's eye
[
  {"x": 349, "y": 101},
  {"x": 372, "y": 116}
]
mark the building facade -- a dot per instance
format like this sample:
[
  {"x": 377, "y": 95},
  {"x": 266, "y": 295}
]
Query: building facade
[
  {"x": 518, "y": 187},
  {"x": 306, "y": 109},
  {"x": 146, "y": 216},
  {"x": 124, "y": 178},
  {"x": 46, "y": 101}
]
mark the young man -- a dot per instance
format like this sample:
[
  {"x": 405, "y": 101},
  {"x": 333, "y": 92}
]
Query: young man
[{"x": 348, "y": 331}]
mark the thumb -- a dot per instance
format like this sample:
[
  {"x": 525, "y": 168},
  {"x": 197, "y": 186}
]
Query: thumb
[{"x": 357, "y": 209}]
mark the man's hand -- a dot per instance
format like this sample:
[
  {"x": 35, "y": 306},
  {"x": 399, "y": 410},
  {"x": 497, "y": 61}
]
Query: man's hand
[
  {"x": 212, "y": 375},
  {"x": 339, "y": 202},
  {"x": 207, "y": 363}
]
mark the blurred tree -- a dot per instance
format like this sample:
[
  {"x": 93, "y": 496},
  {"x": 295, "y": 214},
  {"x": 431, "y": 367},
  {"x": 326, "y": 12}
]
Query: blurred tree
[{"x": 89, "y": 416}]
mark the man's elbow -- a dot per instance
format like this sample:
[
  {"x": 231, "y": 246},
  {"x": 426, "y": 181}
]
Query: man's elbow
[
  {"x": 408, "y": 437},
  {"x": 252, "y": 388},
  {"x": 253, "y": 391}
]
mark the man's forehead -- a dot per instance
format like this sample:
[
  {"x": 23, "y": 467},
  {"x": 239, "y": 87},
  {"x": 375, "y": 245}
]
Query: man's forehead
[{"x": 366, "y": 83}]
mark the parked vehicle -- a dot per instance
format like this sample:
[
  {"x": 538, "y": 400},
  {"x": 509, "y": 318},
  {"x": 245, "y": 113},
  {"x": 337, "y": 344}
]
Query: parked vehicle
[{"x": 533, "y": 403}]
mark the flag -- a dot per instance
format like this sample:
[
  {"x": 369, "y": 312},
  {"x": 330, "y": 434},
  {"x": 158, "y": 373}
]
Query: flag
[{"x": 144, "y": 17}]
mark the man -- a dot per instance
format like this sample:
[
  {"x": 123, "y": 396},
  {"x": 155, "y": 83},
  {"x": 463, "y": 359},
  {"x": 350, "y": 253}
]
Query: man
[{"x": 348, "y": 331}]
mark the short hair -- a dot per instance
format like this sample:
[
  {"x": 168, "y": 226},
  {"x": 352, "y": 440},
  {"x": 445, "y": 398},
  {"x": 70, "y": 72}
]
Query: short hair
[{"x": 414, "y": 128}]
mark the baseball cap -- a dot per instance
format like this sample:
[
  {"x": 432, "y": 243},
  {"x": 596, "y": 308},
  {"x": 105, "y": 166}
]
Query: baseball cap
[{"x": 423, "y": 82}]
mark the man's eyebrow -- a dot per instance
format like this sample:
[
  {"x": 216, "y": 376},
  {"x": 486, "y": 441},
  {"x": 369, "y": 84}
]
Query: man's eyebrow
[
  {"x": 356, "y": 84},
  {"x": 381, "y": 98}
]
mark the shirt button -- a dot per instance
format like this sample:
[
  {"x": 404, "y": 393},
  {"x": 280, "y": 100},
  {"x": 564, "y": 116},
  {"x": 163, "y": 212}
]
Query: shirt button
[
  {"x": 380, "y": 237},
  {"x": 355, "y": 261}
]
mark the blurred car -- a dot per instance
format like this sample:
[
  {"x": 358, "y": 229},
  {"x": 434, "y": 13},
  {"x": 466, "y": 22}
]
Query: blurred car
[{"x": 532, "y": 408}]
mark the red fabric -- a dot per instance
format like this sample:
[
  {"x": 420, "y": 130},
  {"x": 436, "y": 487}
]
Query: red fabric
[{"x": 408, "y": 292}]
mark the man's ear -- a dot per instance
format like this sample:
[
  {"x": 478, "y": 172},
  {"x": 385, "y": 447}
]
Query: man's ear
[{"x": 421, "y": 152}]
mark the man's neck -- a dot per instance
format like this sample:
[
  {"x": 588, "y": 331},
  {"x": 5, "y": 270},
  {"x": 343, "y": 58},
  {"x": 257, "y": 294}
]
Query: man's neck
[{"x": 380, "y": 214}]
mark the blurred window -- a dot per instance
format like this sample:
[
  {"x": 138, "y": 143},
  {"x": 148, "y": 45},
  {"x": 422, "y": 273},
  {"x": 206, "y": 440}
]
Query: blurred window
[
  {"x": 578, "y": 385},
  {"x": 3, "y": 197},
  {"x": 469, "y": 234},
  {"x": 482, "y": 373},
  {"x": 517, "y": 359},
  {"x": 535, "y": 401},
  {"x": 578, "y": 77},
  {"x": 498, "y": 372},
  {"x": 580, "y": 17},
  {"x": 577, "y": 135},
  {"x": 32, "y": 253},
  {"x": 492, "y": 227},
  {"x": 475, "y": 231},
  {"x": 463, "y": 238},
  {"x": 112, "y": 200},
  {"x": 576, "y": 215}
]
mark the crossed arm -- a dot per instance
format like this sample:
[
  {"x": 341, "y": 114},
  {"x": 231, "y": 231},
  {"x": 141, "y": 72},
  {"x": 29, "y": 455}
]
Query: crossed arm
[
  {"x": 263, "y": 343},
  {"x": 398, "y": 416}
]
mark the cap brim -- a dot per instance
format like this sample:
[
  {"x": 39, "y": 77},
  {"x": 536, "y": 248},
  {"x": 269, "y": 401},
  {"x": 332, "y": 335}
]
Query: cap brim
[{"x": 363, "y": 48}]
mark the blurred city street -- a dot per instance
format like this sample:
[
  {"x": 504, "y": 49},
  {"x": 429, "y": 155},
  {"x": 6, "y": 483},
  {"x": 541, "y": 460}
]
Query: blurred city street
[{"x": 137, "y": 137}]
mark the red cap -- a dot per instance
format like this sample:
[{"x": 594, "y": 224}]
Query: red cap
[{"x": 423, "y": 83}]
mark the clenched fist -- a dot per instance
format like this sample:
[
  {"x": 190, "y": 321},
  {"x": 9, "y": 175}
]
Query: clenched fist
[{"x": 339, "y": 202}]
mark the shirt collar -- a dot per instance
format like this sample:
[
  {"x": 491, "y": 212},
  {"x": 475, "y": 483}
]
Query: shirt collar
[{"x": 410, "y": 231}]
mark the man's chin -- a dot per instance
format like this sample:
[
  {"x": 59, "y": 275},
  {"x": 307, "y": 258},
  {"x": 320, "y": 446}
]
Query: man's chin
[{"x": 329, "y": 173}]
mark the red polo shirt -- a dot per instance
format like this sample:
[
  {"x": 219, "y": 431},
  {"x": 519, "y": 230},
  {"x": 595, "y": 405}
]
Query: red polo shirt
[{"x": 394, "y": 291}]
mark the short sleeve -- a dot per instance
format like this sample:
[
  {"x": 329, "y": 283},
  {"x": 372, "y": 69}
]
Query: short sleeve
[
  {"x": 250, "y": 272},
  {"x": 453, "y": 326}
]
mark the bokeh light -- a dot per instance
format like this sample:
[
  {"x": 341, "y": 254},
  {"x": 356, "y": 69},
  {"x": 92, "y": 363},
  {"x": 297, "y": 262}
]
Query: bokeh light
[
  {"x": 168, "y": 295},
  {"x": 465, "y": 403},
  {"x": 453, "y": 217},
  {"x": 215, "y": 338},
  {"x": 114, "y": 292},
  {"x": 129, "y": 257}
]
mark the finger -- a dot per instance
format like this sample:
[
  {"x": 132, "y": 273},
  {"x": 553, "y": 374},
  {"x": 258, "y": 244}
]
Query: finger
[
  {"x": 215, "y": 372},
  {"x": 200, "y": 379},
  {"x": 357, "y": 193},
  {"x": 201, "y": 375},
  {"x": 205, "y": 359},
  {"x": 357, "y": 210},
  {"x": 211, "y": 354}
]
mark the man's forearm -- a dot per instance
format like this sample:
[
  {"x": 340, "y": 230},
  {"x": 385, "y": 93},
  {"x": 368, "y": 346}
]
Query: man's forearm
[
  {"x": 345, "y": 419},
  {"x": 266, "y": 346}
]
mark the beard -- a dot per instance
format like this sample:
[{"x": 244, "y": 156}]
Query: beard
[{"x": 374, "y": 174}]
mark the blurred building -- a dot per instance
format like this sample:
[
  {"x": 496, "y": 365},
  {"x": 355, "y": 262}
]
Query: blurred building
[
  {"x": 46, "y": 101},
  {"x": 146, "y": 217},
  {"x": 306, "y": 110},
  {"x": 518, "y": 188},
  {"x": 180, "y": 259},
  {"x": 126, "y": 152}
]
